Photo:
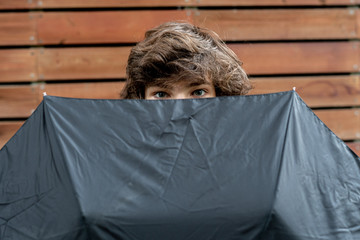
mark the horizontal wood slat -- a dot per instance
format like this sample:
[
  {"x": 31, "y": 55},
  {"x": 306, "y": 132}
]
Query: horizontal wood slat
[
  {"x": 319, "y": 91},
  {"x": 109, "y": 27},
  {"x": 21, "y": 101},
  {"x": 35, "y": 4},
  {"x": 272, "y": 2},
  {"x": 18, "y": 29},
  {"x": 83, "y": 63},
  {"x": 18, "y": 101},
  {"x": 290, "y": 58},
  {"x": 110, "y": 62},
  {"x": 345, "y": 123},
  {"x": 99, "y": 27},
  {"x": 18, "y": 65},
  {"x": 105, "y": 90},
  {"x": 278, "y": 24}
]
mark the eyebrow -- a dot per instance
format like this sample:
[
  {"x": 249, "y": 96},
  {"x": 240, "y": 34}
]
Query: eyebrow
[{"x": 191, "y": 84}]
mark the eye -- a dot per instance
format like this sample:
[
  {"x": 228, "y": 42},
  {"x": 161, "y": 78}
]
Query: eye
[
  {"x": 199, "y": 92},
  {"x": 161, "y": 95}
]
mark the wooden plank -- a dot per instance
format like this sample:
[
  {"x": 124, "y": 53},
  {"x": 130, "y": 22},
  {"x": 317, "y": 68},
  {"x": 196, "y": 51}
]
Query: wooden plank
[
  {"x": 17, "y": 65},
  {"x": 7, "y": 130},
  {"x": 18, "y": 101},
  {"x": 318, "y": 57},
  {"x": 102, "y": 26},
  {"x": 17, "y": 29},
  {"x": 110, "y": 62},
  {"x": 280, "y": 24},
  {"x": 18, "y": 4},
  {"x": 103, "y": 90},
  {"x": 126, "y": 26},
  {"x": 345, "y": 123},
  {"x": 319, "y": 91},
  {"x": 275, "y": 2},
  {"x": 358, "y": 23},
  {"x": 83, "y": 63},
  {"x": 355, "y": 147},
  {"x": 303, "y": 57},
  {"x": 34, "y": 4}
]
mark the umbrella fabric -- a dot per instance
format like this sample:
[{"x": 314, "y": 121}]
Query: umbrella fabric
[{"x": 239, "y": 167}]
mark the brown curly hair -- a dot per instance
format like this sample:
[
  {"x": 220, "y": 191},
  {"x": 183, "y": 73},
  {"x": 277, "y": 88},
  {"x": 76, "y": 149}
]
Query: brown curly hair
[{"x": 176, "y": 51}]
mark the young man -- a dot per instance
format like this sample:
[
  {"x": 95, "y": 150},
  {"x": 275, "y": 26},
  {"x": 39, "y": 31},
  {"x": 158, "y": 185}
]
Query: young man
[{"x": 178, "y": 60}]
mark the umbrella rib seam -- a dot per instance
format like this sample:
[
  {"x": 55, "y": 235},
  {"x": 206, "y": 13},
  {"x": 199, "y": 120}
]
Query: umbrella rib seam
[
  {"x": 268, "y": 220},
  {"x": 50, "y": 121}
]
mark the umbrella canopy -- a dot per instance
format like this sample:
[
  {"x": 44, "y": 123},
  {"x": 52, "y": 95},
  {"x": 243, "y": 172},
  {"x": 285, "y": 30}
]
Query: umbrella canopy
[{"x": 239, "y": 167}]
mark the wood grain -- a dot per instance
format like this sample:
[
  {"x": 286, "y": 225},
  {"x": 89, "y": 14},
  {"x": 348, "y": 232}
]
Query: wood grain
[
  {"x": 110, "y": 62},
  {"x": 82, "y": 63},
  {"x": 275, "y": 2},
  {"x": 102, "y": 27},
  {"x": 279, "y": 24},
  {"x": 303, "y": 57},
  {"x": 39, "y": 4},
  {"x": 18, "y": 4},
  {"x": 18, "y": 101},
  {"x": 316, "y": 91},
  {"x": 103, "y": 90},
  {"x": 345, "y": 123},
  {"x": 18, "y": 65},
  {"x": 18, "y": 29},
  {"x": 130, "y": 26},
  {"x": 259, "y": 59}
]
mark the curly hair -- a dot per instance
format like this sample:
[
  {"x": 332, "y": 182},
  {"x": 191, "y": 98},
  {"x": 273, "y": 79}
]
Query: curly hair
[{"x": 177, "y": 51}]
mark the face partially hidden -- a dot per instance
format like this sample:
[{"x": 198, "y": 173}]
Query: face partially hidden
[{"x": 181, "y": 90}]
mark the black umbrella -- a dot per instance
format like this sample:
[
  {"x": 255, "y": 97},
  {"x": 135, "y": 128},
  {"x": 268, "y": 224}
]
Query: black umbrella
[{"x": 241, "y": 167}]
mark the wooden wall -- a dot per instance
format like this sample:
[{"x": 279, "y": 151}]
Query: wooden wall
[{"x": 79, "y": 48}]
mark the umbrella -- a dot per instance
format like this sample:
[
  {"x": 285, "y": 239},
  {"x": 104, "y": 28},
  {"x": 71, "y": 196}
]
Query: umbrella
[{"x": 238, "y": 167}]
